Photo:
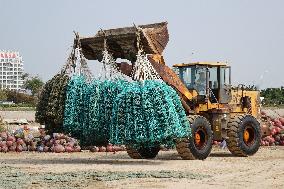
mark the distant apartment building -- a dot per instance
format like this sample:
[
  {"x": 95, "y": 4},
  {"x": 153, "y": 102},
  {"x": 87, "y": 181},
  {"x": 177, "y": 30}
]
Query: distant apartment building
[{"x": 11, "y": 70}]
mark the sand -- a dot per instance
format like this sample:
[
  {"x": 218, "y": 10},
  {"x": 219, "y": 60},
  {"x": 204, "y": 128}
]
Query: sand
[{"x": 107, "y": 170}]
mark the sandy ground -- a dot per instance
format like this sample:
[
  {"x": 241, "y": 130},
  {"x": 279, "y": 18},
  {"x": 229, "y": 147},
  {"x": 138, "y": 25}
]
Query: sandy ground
[
  {"x": 13, "y": 117},
  {"x": 28, "y": 115},
  {"x": 107, "y": 170}
]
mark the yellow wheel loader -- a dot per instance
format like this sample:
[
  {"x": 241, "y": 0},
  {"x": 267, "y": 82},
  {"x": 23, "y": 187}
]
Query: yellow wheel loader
[{"x": 216, "y": 111}]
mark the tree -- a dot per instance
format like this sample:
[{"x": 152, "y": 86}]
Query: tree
[
  {"x": 34, "y": 84},
  {"x": 3, "y": 95},
  {"x": 25, "y": 76},
  {"x": 273, "y": 96},
  {"x": 20, "y": 98}
]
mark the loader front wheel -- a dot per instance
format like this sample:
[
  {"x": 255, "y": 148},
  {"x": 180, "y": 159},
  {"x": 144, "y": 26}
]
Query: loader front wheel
[
  {"x": 243, "y": 135},
  {"x": 143, "y": 152},
  {"x": 200, "y": 144}
]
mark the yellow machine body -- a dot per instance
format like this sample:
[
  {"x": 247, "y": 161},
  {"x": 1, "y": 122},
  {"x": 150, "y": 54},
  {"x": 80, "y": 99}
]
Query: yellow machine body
[{"x": 227, "y": 103}]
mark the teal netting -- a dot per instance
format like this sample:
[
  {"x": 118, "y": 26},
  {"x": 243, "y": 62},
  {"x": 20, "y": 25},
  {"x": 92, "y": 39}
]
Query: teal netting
[
  {"x": 74, "y": 114},
  {"x": 133, "y": 113},
  {"x": 102, "y": 95},
  {"x": 148, "y": 112}
]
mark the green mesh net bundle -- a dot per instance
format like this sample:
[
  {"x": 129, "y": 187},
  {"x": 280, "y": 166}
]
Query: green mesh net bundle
[
  {"x": 148, "y": 113},
  {"x": 102, "y": 97},
  {"x": 74, "y": 117},
  {"x": 88, "y": 109},
  {"x": 50, "y": 108},
  {"x": 121, "y": 112}
]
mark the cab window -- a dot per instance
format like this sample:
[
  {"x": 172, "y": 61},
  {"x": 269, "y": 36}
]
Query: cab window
[
  {"x": 187, "y": 75},
  {"x": 213, "y": 78},
  {"x": 225, "y": 76},
  {"x": 200, "y": 80}
]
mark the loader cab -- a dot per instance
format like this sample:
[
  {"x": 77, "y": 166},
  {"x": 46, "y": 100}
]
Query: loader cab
[{"x": 209, "y": 80}]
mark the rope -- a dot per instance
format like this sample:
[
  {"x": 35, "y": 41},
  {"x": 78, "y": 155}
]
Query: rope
[
  {"x": 143, "y": 69},
  {"x": 110, "y": 70}
]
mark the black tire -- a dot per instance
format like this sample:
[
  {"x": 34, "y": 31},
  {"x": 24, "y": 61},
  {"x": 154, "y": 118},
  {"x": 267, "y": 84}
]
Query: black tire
[
  {"x": 189, "y": 148},
  {"x": 237, "y": 142},
  {"x": 133, "y": 153},
  {"x": 143, "y": 152}
]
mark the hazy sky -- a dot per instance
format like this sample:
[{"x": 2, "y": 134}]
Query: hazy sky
[{"x": 249, "y": 34}]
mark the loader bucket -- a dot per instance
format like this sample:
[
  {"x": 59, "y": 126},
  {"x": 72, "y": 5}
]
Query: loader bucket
[{"x": 122, "y": 42}]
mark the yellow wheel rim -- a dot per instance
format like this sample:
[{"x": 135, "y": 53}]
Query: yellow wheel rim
[
  {"x": 197, "y": 138},
  {"x": 246, "y": 135}
]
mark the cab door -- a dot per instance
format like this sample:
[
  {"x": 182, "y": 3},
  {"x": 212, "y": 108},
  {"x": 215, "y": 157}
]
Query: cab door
[{"x": 225, "y": 94}]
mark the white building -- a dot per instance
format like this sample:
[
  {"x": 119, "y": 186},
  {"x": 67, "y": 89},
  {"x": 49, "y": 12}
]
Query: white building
[{"x": 11, "y": 70}]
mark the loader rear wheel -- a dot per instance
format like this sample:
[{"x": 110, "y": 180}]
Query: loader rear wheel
[
  {"x": 143, "y": 152},
  {"x": 243, "y": 135},
  {"x": 200, "y": 144},
  {"x": 133, "y": 153}
]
